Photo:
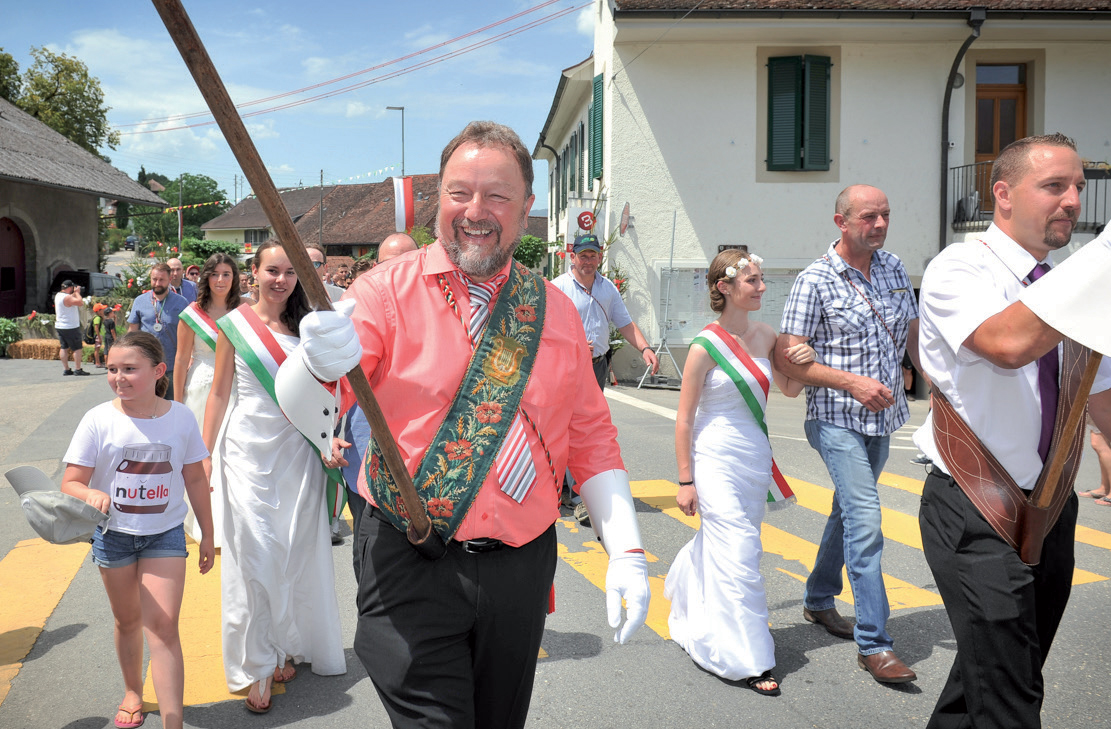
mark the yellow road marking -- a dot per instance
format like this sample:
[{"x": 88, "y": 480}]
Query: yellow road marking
[
  {"x": 896, "y": 526},
  {"x": 200, "y": 627},
  {"x": 912, "y": 485},
  {"x": 1093, "y": 538},
  {"x": 900, "y": 594},
  {"x": 49, "y": 569}
]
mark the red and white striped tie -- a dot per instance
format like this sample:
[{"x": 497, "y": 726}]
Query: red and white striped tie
[{"x": 516, "y": 471}]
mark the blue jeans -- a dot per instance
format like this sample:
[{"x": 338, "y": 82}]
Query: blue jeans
[{"x": 852, "y": 535}]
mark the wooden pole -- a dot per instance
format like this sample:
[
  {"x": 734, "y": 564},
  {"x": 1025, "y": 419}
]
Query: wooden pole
[{"x": 177, "y": 22}]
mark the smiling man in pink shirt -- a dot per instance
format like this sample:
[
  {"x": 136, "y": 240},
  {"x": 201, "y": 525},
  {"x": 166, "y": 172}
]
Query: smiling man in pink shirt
[{"x": 454, "y": 642}]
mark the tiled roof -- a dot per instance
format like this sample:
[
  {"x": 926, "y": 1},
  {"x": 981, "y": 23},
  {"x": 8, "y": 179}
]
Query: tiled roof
[
  {"x": 538, "y": 226},
  {"x": 1034, "y": 6},
  {"x": 364, "y": 214},
  {"x": 34, "y": 153},
  {"x": 247, "y": 213}
]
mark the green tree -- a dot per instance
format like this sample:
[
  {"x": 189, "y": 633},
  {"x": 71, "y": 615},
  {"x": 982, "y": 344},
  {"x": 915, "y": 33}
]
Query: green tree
[
  {"x": 122, "y": 214},
  {"x": 422, "y": 235},
  {"x": 195, "y": 189},
  {"x": 9, "y": 77},
  {"x": 531, "y": 251},
  {"x": 58, "y": 91}
]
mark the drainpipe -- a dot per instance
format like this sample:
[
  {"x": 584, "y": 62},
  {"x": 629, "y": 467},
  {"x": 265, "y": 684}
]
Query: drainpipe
[{"x": 976, "y": 18}]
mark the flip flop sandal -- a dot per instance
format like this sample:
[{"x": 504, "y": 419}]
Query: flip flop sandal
[
  {"x": 259, "y": 709},
  {"x": 280, "y": 673},
  {"x": 754, "y": 681},
  {"x": 1103, "y": 501},
  {"x": 1093, "y": 494},
  {"x": 131, "y": 712}
]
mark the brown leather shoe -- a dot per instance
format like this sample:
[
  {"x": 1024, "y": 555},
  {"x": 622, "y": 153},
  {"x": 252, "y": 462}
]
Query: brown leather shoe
[
  {"x": 831, "y": 620},
  {"x": 886, "y": 667}
]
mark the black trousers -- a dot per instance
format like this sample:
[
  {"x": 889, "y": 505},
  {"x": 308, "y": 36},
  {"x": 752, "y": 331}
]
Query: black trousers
[
  {"x": 452, "y": 643},
  {"x": 357, "y": 505},
  {"x": 1004, "y": 613}
]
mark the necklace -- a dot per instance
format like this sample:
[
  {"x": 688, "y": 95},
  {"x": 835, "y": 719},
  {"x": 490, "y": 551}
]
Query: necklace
[{"x": 153, "y": 414}]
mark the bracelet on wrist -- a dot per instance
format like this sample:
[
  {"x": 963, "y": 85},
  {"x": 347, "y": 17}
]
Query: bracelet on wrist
[
  {"x": 687, "y": 483},
  {"x": 647, "y": 347}
]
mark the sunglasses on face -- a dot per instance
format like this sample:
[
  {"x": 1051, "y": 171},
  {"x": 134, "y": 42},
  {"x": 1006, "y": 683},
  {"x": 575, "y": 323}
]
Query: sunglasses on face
[{"x": 317, "y": 264}]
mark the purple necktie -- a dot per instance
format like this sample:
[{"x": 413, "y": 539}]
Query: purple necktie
[{"x": 1048, "y": 371}]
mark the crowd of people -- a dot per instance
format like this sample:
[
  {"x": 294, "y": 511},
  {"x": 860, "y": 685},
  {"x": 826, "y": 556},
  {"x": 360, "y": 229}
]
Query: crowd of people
[{"x": 487, "y": 433}]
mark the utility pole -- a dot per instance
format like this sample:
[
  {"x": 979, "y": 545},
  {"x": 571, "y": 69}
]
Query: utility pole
[
  {"x": 321, "y": 206},
  {"x": 180, "y": 222},
  {"x": 402, "y": 110}
]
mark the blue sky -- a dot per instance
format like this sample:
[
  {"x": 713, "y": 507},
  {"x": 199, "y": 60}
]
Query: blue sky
[{"x": 271, "y": 48}]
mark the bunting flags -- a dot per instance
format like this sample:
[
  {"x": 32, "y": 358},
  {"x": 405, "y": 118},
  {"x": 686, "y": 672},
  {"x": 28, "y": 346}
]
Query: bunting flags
[{"x": 403, "y": 204}]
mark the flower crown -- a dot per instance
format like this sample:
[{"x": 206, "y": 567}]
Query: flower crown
[{"x": 753, "y": 260}]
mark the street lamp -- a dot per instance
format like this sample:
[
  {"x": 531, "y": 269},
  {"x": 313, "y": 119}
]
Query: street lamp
[{"x": 402, "y": 110}]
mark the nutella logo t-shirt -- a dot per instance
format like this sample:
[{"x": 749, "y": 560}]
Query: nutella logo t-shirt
[{"x": 138, "y": 463}]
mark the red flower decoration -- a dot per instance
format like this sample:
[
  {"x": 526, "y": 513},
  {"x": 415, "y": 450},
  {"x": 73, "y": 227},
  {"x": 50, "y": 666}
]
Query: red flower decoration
[
  {"x": 32, "y": 315},
  {"x": 374, "y": 465},
  {"x": 174, "y": 249},
  {"x": 525, "y": 313},
  {"x": 488, "y": 412},
  {"x": 159, "y": 244},
  {"x": 457, "y": 450},
  {"x": 562, "y": 254},
  {"x": 152, "y": 252},
  {"x": 440, "y": 507}
]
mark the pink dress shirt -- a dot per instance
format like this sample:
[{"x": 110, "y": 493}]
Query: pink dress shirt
[{"x": 415, "y": 354}]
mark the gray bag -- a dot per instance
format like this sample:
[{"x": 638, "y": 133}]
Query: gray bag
[{"x": 56, "y": 517}]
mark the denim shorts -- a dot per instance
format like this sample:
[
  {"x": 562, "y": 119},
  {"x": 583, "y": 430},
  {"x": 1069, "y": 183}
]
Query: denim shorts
[{"x": 116, "y": 549}]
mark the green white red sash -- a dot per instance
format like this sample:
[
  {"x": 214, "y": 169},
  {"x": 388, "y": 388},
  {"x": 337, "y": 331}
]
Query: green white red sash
[
  {"x": 201, "y": 324},
  {"x": 753, "y": 385},
  {"x": 255, "y": 343}
]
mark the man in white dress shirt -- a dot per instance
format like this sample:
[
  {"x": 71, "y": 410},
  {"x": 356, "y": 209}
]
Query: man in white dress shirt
[{"x": 993, "y": 359}]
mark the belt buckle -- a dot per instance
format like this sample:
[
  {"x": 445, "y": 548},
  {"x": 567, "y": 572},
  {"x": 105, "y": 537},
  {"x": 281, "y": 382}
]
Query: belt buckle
[{"x": 481, "y": 546}]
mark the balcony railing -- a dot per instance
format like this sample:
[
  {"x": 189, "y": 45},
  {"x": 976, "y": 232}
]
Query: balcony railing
[{"x": 972, "y": 204}]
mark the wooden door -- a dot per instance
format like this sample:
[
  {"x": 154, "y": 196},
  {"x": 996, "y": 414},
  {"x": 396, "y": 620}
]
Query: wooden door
[
  {"x": 1000, "y": 118},
  {"x": 13, "y": 285}
]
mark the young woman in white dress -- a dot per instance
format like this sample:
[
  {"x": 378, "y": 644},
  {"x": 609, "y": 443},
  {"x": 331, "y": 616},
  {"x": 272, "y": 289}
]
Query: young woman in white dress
[
  {"x": 279, "y": 597},
  {"x": 217, "y": 294},
  {"x": 719, "y": 610}
]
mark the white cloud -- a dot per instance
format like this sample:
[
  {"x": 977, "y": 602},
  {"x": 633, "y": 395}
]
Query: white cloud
[
  {"x": 584, "y": 21},
  {"x": 262, "y": 130}
]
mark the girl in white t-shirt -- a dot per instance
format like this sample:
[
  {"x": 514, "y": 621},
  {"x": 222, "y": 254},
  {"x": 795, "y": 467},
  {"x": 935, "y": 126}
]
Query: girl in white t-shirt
[{"x": 134, "y": 458}]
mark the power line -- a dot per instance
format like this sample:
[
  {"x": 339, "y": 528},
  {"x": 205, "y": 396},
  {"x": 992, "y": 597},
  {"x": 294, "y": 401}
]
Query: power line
[
  {"x": 406, "y": 57},
  {"x": 385, "y": 77}
]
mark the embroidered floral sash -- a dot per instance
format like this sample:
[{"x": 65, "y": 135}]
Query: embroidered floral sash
[{"x": 463, "y": 450}]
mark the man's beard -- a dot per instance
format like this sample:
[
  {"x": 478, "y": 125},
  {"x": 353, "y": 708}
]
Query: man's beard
[
  {"x": 160, "y": 290},
  {"x": 476, "y": 262},
  {"x": 1055, "y": 240}
]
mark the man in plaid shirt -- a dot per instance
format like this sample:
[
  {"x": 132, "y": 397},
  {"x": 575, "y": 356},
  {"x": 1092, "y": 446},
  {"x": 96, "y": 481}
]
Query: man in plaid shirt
[{"x": 855, "y": 306}]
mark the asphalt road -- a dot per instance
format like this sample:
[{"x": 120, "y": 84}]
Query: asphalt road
[{"x": 70, "y": 678}]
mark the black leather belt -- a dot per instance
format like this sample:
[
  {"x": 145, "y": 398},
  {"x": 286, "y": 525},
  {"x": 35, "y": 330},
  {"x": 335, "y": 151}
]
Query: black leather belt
[
  {"x": 470, "y": 546},
  {"x": 598, "y": 359}
]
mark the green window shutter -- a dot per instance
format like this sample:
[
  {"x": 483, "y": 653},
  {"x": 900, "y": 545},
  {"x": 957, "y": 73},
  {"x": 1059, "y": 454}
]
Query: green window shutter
[
  {"x": 784, "y": 113},
  {"x": 799, "y": 113},
  {"x": 590, "y": 144},
  {"x": 573, "y": 156},
  {"x": 815, "y": 125},
  {"x": 596, "y": 130},
  {"x": 582, "y": 156}
]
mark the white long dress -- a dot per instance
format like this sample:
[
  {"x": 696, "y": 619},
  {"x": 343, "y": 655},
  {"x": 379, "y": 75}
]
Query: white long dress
[
  {"x": 276, "y": 568},
  {"x": 198, "y": 383},
  {"x": 719, "y": 610}
]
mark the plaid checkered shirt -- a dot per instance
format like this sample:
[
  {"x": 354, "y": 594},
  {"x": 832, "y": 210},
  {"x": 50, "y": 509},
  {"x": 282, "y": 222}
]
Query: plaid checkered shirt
[{"x": 847, "y": 334}]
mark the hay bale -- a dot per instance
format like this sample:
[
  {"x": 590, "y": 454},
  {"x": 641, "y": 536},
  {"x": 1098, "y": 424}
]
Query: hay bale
[{"x": 34, "y": 349}]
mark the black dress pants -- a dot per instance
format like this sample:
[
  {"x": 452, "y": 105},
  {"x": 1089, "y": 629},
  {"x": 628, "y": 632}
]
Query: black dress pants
[
  {"x": 453, "y": 642},
  {"x": 1004, "y": 613}
]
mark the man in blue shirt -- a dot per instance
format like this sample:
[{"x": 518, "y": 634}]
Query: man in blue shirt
[
  {"x": 855, "y": 306},
  {"x": 599, "y": 303},
  {"x": 178, "y": 283},
  {"x": 156, "y": 312}
]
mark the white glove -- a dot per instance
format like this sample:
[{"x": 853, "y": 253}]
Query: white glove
[
  {"x": 627, "y": 577},
  {"x": 332, "y": 348},
  {"x": 614, "y": 518}
]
